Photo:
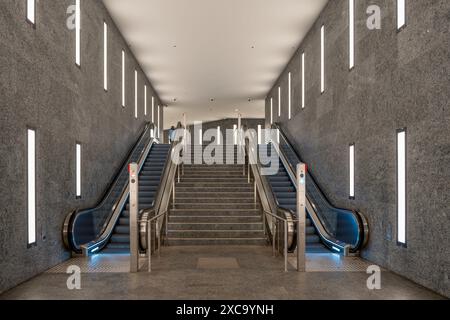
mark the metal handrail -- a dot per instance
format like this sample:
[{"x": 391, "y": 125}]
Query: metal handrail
[
  {"x": 269, "y": 204},
  {"x": 285, "y": 249},
  {"x": 162, "y": 210},
  {"x": 149, "y": 237},
  {"x": 155, "y": 207}
]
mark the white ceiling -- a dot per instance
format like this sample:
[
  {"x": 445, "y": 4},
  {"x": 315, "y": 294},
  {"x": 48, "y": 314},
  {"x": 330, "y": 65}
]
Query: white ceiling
[{"x": 213, "y": 57}]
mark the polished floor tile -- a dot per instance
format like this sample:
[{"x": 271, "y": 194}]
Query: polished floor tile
[{"x": 209, "y": 272}]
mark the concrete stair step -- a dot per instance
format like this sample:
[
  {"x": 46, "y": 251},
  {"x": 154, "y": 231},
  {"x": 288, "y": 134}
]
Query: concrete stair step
[
  {"x": 215, "y": 194},
  {"x": 214, "y": 184},
  {"x": 200, "y": 205},
  {"x": 238, "y": 179},
  {"x": 214, "y": 241},
  {"x": 216, "y": 234},
  {"x": 214, "y": 167},
  {"x": 215, "y": 219},
  {"x": 211, "y": 189},
  {"x": 258, "y": 226},
  {"x": 203, "y": 199},
  {"x": 223, "y": 173},
  {"x": 215, "y": 212}
]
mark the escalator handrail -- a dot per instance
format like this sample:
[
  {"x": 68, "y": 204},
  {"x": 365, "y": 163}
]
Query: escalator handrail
[
  {"x": 70, "y": 218},
  {"x": 281, "y": 210},
  {"x": 322, "y": 194},
  {"x": 161, "y": 204},
  {"x": 359, "y": 217},
  {"x": 102, "y": 239}
]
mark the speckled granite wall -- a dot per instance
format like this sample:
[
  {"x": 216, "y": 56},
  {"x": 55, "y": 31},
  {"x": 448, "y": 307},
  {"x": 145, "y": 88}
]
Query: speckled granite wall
[
  {"x": 41, "y": 87},
  {"x": 401, "y": 79}
]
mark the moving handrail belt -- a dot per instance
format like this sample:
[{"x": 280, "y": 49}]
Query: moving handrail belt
[
  {"x": 350, "y": 233},
  {"x": 85, "y": 226}
]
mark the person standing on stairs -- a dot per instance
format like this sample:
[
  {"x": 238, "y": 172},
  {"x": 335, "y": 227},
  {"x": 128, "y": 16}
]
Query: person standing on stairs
[{"x": 172, "y": 134}]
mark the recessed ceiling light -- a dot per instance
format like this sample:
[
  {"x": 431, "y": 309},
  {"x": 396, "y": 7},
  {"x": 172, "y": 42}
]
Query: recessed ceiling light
[{"x": 212, "y": 99}]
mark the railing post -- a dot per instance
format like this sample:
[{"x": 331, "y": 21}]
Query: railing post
[
  {"x": 285, "y": 246},
  {"x": 264, "y": 224},
  {"x": 278, "y": 238},
  {"x": 301, "y": 223},
  {"x": 158, "y": 234},
  {"x": 134, "y": 207},
  {"x": 273, "y": 236},
  {"x": 149, "y": 245},
  {"x": 167, "y": 224},
  {"x": 173, "y": 194}
]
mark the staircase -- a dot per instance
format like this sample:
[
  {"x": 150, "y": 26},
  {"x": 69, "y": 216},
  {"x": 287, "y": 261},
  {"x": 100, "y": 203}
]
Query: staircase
[
  {"x": 215, "y": 206},
  {"x": 149, "y": 180}
]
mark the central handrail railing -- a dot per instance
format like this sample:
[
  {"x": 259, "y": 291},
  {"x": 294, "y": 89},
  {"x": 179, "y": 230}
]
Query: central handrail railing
[
  {"x": 270, "y": 205},
  {"x": 161, "y": 211},
  {"x": 285, "y": 236}
]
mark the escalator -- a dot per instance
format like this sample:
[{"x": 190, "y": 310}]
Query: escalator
[
  {"x": 149, "y": 181},
  {"x": 106, "y": 226},
  {"x": 284, "y": 192},
  {"x": 327, "y": 227}
]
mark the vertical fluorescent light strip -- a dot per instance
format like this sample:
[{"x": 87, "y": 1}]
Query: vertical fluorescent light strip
[
  {"x": 153, "y": 109},
  {"x": 159, "y": 130},
  {"x": 31, "y": 11},
  {"x": 271, "y": 111},
  {"x": 105, "y": 56},
  {"x": 352, "y": 170},
  {"x": 259, "y": 134},
  {"x": 289, "y": 96},
  {"x": 235, "y": 134},
  {"x": 401, "y": 14},
  {"x": 401, "y": 187},
  {"x": 218, "y": 135},
  {"x": 78, "y": 170},
  {"x": 135, "y": 94},
  {"x": 200, "y": 136},
  {"x": 322, "y": 59},
  {"x": 31, "y": 186},
  {"x": 303, "y": 80},
  {"x": 78, "y": 32},
  {"x": 279, "y": 101},
  {"x": 351, "y": 26},
  {"x": 145, "y": 100},
  {"x": 123, "y": 78}
]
